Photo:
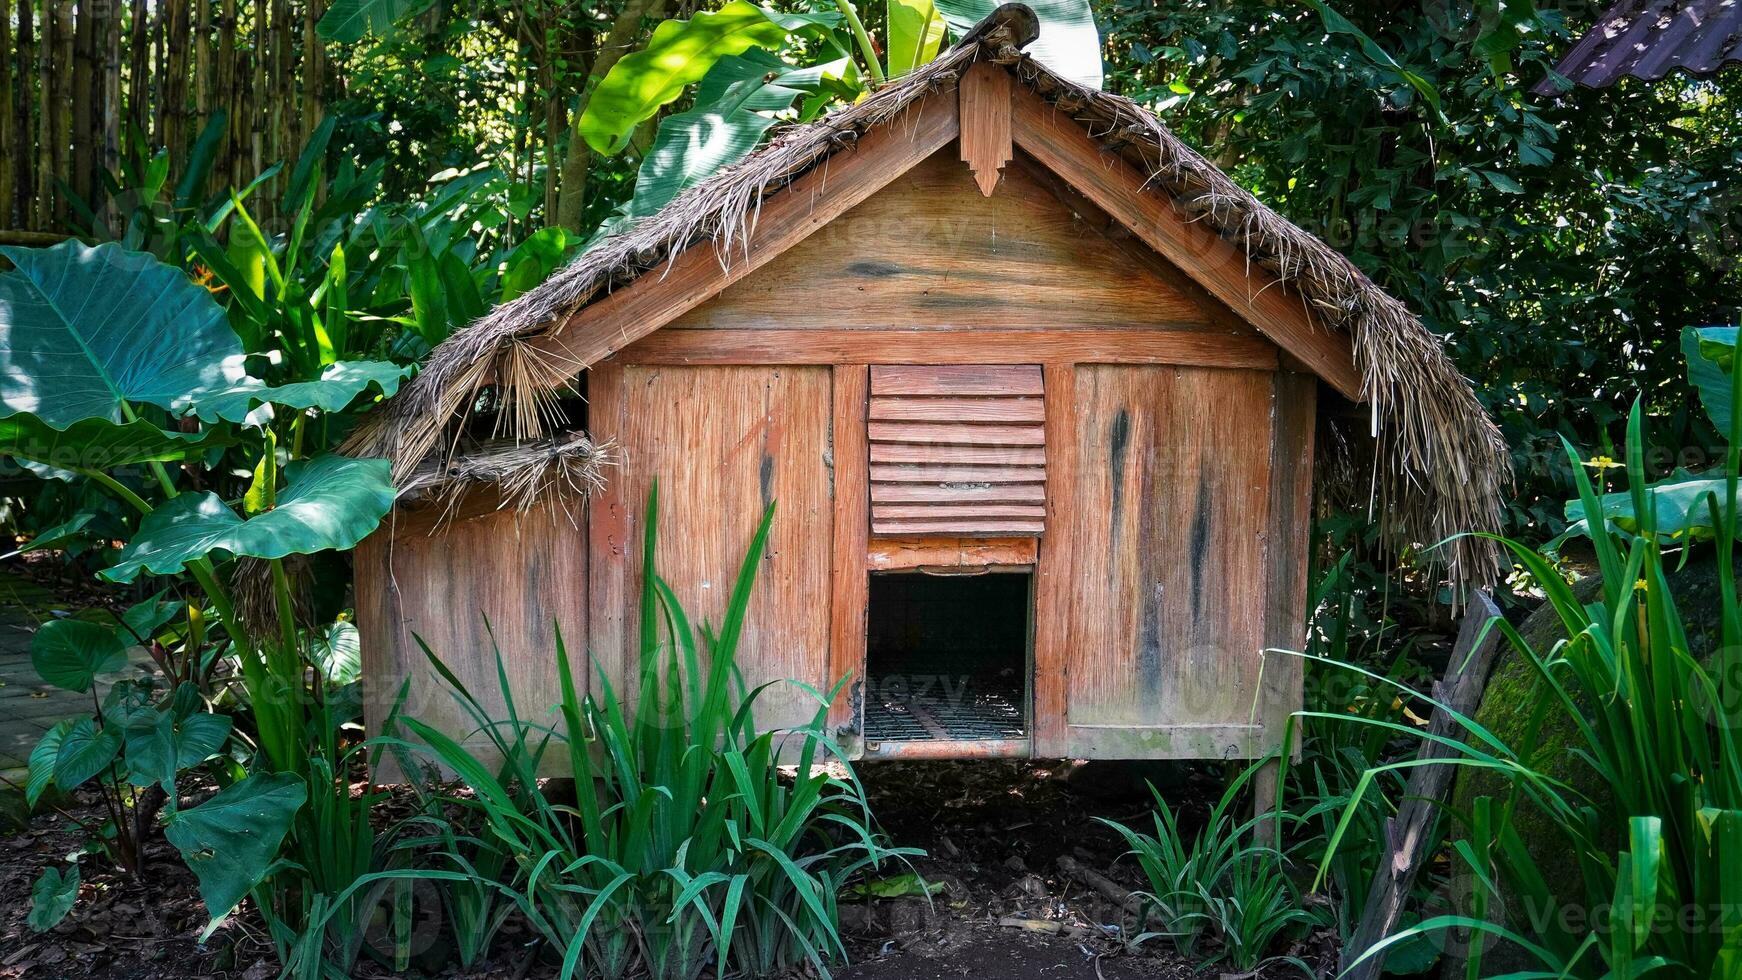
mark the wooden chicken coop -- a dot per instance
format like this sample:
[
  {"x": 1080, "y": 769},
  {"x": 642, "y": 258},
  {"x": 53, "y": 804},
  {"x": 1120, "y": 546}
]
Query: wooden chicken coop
[{"x": 1035, "y": 389}]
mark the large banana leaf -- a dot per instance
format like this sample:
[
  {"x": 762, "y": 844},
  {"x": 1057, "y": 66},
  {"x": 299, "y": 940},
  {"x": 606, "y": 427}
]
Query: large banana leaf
[
  {"x": 916, "y": 31},
  {"x": 678, "y": 55},
  {"x": 1068, "y": 42},
  {"x": 327, "y": 502},
  {"x": 1681, "y": 508},
  {"x": 84, "y": 329},
  {"x": 733, "y": 106},
  {"x": 1711, "y": 354},
  {"x": 346, "y": 21}
]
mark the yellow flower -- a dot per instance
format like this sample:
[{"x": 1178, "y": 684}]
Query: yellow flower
[{"x": 1602, "y": 463}]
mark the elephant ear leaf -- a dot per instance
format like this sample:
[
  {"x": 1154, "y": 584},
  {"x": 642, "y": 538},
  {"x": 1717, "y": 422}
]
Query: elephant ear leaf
[
  {"x": 109, "y": 327},
  {"x": 52, "y": 897},
  {"x": 230, "y": 840},
  {"x": 99, "y": 444},
  {"x": 337, "y": 386},
  {"x": 71, "y": 653},
  {"x": 327, "y": 502}
]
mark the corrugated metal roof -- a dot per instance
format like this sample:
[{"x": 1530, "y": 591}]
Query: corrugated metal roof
[{"x": 1648, "y": 39}]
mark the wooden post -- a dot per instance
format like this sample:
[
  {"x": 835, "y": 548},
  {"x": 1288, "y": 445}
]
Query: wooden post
[
  {"x": 1406, "y": 835},
  {"x": 1264, "y": 782},
  {"x": 852, "y": 523}
]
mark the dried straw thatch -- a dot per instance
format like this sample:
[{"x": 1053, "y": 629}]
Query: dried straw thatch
[
  {"x": 1441, "y": 466},
  {"x": 568, "y": 466}
]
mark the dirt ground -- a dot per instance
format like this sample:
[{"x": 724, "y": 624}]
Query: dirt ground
[{"x": 994, "y": 832}]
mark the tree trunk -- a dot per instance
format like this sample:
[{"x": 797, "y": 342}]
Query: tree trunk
[
  {"x": 60, "y": 114},
  {"x": 578, "y": 158}
]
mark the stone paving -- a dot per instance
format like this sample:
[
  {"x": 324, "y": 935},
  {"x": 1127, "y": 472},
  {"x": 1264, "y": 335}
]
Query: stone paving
[{"x": 28, "y": 707}]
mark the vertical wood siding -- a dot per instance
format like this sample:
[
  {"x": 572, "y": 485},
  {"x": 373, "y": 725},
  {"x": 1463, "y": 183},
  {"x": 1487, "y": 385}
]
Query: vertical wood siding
[
  {"x": 723, "y": 442},
  {"x": 525, "y": 572},
  {"x": 1171, "y": 497}
]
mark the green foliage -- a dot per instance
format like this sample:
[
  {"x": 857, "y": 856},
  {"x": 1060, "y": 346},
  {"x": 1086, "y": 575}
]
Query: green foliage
[
  {"x": 230, "y": 840},
  {"x": 678, "y": 55},
  {"x": 329, "y": 502},
  {"x": 53, "y": 896},
  {"x": 1657, "y": 728},
  {"x": 1221, "y": 884},
  {"x": 735, "y": 104},
  {"x": 749, "y": 80},
  {"x": 694, "y": 851},
  {"x": 1558, "y": 245},
  {"x": 348, "y": 21},
  {"x": 70, "y": 653},
  {"x": 1683, "y": 507},
  {"x": 916, "y": 33},
  {"x": 89, "y": 748}
]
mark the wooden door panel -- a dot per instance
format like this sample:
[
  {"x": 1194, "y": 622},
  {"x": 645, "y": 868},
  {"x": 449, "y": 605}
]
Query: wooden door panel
[
  {"x": 1170, "y": 491},
  {"x": 723, "y": 442}
]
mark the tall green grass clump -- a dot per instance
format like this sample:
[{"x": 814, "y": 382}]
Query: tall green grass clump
[
  {"x": 1220, "y": 895},
  {"x": 1659, "y": 853},
  {"x": 683, "y": 847}
]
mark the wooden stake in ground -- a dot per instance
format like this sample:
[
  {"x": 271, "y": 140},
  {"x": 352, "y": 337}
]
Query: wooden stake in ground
[{"x": 1406, "y": 835}]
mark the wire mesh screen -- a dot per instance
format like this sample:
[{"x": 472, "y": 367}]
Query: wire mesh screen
[{"x": 947, "y": 658}]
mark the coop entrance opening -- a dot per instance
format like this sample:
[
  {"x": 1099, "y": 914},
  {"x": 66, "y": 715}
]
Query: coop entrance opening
[{"x": 947, "y": 661}]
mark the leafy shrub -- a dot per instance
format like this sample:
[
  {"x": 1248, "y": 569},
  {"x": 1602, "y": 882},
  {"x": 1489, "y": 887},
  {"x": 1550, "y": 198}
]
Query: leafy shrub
[
  {"x": 1222, "y": 884},
  {"x": 1657, "y": 727},
  {"x": 685, "y": 846}
]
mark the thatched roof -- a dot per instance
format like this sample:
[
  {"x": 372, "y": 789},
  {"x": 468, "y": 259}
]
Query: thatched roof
[
  {"x": 1441, "y": 465},
  {"x": 519, "y": 472}
]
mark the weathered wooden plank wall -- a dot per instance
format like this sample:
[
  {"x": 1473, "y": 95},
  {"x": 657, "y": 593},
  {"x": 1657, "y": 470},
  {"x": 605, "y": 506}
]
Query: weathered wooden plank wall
[
  {"x": 723, "y": 442},
  {"x": 1171, "y": 493},
  {"x": 928, "y": 252},
  {"x": 526, "y": 572}
]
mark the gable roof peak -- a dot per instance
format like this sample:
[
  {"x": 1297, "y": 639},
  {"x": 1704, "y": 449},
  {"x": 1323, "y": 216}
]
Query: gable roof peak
[{"x": 1443, "y": 466}]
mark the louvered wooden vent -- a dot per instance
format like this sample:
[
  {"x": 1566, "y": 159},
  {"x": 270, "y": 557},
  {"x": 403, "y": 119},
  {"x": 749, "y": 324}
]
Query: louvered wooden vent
[{"x": 958, "y": 451}]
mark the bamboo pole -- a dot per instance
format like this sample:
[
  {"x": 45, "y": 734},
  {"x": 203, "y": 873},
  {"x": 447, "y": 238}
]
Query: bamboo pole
[
  {"x": 9, "y": 151},
  {"x": 62, "y": 120},
  {"x": 175, "y": 83},
  {"x": 224, "y": 168},
  {"x": 81, "y": 147},
  {"x": 45, "y": 115},
  {"x": 24, "y": 126},
  {"x": 138, "y": 77},
  {"x": 314, "y": 68},
  {"x": 111, "y": 114}
]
